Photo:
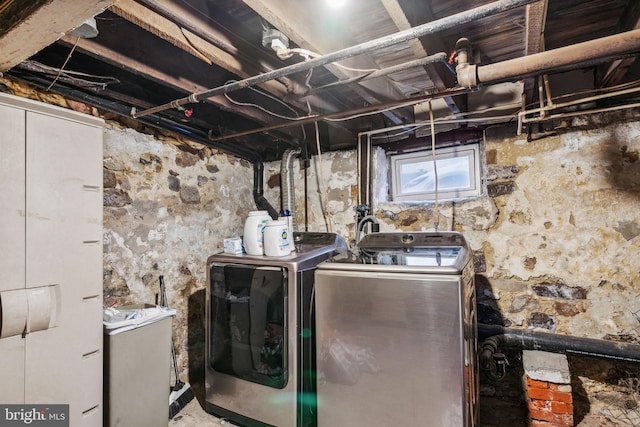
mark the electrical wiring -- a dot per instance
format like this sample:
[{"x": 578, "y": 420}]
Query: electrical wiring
[
  {"x": 261, "y": 108},
  {"x": 370, "y": 113},
  {"x": 272, "y": 113},
  {"x": 73, "y": 77},
  {"x": 64, "y": 64},
  {"x": 404, "y": 132},
  {"x": 197, "y": 51},
  {"x": 306, "y": 54},
  {"x": 324, "y": 199},
  {"x": 436, "y": 215},
  {"x": 247, "y": 104}
]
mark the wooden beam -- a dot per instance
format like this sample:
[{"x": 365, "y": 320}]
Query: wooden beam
[
  {"x": 300, "y": 25},
  {"x": 183, "y": 83},
  {"x": 442, "y": 79},
  {"x": 185, "y": 40},
  {"x": 231, "y": 54},
  {"x": 613, "y": 73},
  {"x": 535, "y": 19},
  {"x": 44, "y": 26}
]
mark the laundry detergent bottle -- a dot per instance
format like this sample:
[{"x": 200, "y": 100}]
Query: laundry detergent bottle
[
  {"x": 252, "y": 238},
  {"x": 276, "y": 238}
]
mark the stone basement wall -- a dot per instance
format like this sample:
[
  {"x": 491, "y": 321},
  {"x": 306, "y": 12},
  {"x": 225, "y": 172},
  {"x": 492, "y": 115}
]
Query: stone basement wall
[
  {"x": 168, "y": 205},
  {"x": 556, "y": 238}
]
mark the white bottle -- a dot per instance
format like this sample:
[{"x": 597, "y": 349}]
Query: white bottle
[
  {"x": 276, "y": 239},
  {"x": 288, "y": 219},
  {"x": 253, "y": 232}
]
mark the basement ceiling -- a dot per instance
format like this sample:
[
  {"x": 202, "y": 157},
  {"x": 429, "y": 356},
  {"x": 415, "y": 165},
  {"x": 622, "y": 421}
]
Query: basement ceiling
[{"x": 259, "y": 77}]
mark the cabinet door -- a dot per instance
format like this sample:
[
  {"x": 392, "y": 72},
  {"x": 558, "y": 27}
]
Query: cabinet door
[
  {"x": 12, "y": 210},
  {"x": 64, "y": 248},
  {"x": 12, "y": 243}
]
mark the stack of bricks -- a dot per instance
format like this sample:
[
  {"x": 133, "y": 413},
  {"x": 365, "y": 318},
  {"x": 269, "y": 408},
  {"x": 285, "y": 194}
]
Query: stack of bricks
[{"x": 548, "y": 383}]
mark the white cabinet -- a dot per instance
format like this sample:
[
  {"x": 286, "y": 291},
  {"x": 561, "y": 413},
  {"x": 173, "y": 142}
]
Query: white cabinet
[{"x": 51, "y": 258}]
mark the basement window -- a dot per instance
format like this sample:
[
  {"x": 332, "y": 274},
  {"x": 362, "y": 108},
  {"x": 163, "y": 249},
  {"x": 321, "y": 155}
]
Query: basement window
[{"x": 457, "y": 169}]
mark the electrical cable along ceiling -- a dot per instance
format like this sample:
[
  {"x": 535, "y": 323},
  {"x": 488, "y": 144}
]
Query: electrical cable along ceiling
[{"x": 267, "y": 76}]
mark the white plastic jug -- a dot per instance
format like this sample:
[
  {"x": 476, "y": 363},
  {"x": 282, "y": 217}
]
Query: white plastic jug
[
  {"x": 276, "y": 238},
  {"x": 253, "y": 232}
]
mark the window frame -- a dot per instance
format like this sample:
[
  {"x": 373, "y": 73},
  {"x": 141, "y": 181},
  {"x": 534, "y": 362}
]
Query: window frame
[{"x": 472, "y": 151}]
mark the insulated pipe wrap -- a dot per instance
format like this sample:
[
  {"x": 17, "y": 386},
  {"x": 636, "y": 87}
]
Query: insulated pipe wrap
[{"x": 574, "y": 56}]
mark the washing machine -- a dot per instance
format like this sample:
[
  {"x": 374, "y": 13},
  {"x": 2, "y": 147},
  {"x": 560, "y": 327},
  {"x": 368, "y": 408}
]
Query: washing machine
[
  {"x": 260, "y": 344},
  {"x": 397, "y": 333}
]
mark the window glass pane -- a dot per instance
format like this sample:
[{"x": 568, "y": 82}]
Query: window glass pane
[
  {"x": 457, "y": 172},
  {"x": 419, "y": 177}
]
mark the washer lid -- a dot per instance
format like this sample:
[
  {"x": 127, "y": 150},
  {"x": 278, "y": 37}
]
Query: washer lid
[
  {"x": 408, "y": 241},
  {"x": 445, "y": 252}
]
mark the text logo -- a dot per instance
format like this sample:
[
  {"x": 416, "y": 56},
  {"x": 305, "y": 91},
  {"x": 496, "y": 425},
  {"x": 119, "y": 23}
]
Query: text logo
[{"x": 34, "y": 415}]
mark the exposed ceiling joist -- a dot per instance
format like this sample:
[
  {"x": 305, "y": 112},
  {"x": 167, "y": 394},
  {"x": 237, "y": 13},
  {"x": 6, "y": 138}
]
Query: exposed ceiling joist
[
  {"x": 416, "y": 12},
  {"x": 163, "y": 55},
  {"x": 535, "y": 18},
  {"x": 304, "y": 29},
  {"x": 616, "y": 71},
  {"x": 37, "y": 31},
  {"x": 231, "y": 54}
]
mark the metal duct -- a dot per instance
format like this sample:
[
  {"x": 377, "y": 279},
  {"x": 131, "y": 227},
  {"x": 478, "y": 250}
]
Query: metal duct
[
  {"x": 564, "y": 58},
  {"x": 379, "y": 43},
  {"x": 286, "y": 184}
]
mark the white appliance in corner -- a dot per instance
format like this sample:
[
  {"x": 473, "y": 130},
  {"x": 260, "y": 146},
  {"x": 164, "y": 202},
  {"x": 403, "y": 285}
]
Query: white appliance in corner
[{"x": 51, "y": 258}]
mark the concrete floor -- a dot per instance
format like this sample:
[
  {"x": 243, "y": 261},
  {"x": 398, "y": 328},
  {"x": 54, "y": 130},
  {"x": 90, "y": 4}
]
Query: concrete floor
[{"x": 193, "y": 415}]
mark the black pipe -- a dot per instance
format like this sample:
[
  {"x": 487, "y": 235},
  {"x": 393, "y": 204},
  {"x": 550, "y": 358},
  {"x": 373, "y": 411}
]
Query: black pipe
[
  {"x": 528, "y": 339},
  {"x": 163, "y": 123},
  {"x": 395, "y": 38}
]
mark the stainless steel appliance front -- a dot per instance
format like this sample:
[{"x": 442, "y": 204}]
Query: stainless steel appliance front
[
  {"x": 396, "y": 333},
  {"x": 260, "y": 359}
]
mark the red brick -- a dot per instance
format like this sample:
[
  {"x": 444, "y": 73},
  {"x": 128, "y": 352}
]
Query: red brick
[
  {"x": 561, "y": 420},
  {"x": 562, "y": 408},
  {"x": 536, "y": 384},
  {"x": 541, "y": 394},
  {"x": 538, "y": 423},
  {"x": 559, "y": 396},
  {"x": 543, "y": 405}
]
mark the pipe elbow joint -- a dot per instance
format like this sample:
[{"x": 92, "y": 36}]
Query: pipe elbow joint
[{"x": 467, "y": 75}]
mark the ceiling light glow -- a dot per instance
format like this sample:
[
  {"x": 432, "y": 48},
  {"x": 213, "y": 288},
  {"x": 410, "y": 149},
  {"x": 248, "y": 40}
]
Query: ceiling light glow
[{"x": 335, "y": 4}]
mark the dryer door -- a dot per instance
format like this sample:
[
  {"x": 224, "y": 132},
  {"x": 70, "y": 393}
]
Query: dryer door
[{"x": 248, "y": 319}]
